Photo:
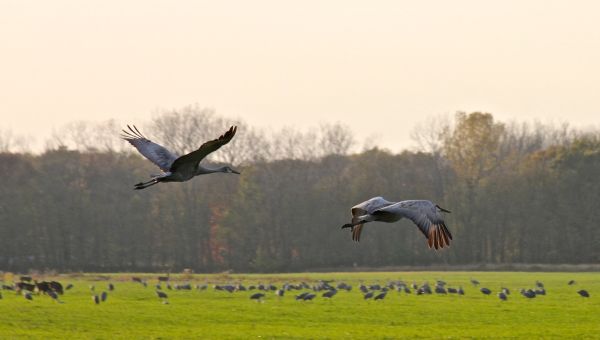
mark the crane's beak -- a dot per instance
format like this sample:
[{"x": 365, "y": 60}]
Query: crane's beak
[
  {"x": 235, "y": 172},
  {"x": 442, "y": 209}
]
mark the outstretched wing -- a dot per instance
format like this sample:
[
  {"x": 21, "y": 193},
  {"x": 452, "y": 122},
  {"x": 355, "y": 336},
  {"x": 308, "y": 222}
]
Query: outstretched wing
[
  {"x": 426, "y": 216},
  {"x": 156, "y": 153},
  {"x": 205, "y": 149},
  {"x": 366, "y": 207}
]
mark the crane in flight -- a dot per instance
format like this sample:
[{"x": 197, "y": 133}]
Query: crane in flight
[
  {"x": 177, "y": 169},
  {"x": 425, "y": 214}
]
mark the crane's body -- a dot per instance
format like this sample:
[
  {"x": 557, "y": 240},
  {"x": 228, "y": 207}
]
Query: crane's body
[
  {"x": 425, "y": 214},
  {"x": 177, "y": 169}
]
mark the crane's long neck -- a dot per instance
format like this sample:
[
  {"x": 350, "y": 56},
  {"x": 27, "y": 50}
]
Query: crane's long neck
[{"x": 203, "y": 171}]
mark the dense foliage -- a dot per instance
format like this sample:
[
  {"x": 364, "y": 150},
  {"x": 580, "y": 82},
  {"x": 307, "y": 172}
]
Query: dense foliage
[{"x": 519, "y": 193}]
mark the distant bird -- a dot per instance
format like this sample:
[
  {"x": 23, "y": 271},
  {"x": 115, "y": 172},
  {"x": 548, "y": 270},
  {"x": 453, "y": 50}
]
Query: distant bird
[
  {"x": 486, "y": 291},
  {"x": 103, "y": 296},
  {"x": 136, "y": 279},
  {"x": 280, "y": 292},
  {"x": 440, "y": 290},
  {"x": 530, "y": 294},
  {"x": 92, "y": 288},
  {"x": 28, "y": 296},
  {"x": 161, "y": 295},
  {"x": 53, "y": 295},
  {"x": 368, "y": 295},
  {"x": 425, "y": 214},
  {"x": 25, "y": 278},
  {"x": 177, "y": 169},
  {"x": 111, "y": 287},
  {"x": 571, "y": 282},
  {"x": 257, "y": 296},
  {"x": 505, "y": 291},
  {"x": 502, "y": 296},
  {"x": 309, "y": 297},
  {"x": 57, "y": 287},
  {"x": 96, "y": 299},
  {"x": 474, "y": 282},
  {"x": 329, "y": 294},
  {"x": 539, "y": 284},
  {"x": 301, "y": 296},
  {"x": 380, "y": 296},
  {"x": 540, "y": 292},
  {"x": 584, "y": 293},
  {"x": 69, "y": 286},
  {"x": 460, "y": 291},
  {"x": 452, "y": 290}
]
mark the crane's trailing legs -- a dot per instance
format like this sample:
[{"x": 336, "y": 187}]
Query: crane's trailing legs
[{"x": 144, "y": 185}]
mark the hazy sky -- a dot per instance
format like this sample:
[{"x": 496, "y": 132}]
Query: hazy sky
[{"x": 380, "y": 67}]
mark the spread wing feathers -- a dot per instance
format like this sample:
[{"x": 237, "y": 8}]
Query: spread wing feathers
[
  {"x": 156, "y": 153},
  {"x": 364, "y": 208},
  {"x": 425, "y": 215},
  {"x": 205, "y": 149}
]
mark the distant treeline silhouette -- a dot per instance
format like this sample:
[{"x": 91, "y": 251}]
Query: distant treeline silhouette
[{"x": 518, "y": 192}]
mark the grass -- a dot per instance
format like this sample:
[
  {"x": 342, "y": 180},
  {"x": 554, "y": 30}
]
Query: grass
[{"x": 134, "y": 312}]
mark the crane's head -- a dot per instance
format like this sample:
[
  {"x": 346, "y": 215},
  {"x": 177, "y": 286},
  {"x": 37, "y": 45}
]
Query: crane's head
[{"x": 229, "y": 170}]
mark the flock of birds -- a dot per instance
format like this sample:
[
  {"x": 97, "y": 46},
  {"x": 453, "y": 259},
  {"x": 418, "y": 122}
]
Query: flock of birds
[
  {"x": 425, "y": 214},
  {"x": 327, "y": 289}
]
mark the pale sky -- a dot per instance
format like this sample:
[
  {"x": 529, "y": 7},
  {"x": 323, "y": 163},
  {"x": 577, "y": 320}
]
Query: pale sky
[{"x": 380, "y": 67}]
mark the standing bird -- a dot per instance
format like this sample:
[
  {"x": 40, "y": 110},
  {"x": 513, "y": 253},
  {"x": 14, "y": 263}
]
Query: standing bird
[
  {"x": 380, "y": 296},
  {"x": 486, "y": 291},
  {"x": 176, "y": 169},
  {"x": 502, "y": 296},
  {"x": 584, "y": 293},
  {"x": 426, "y": 215},
  {"x": 257, "y": 296}
]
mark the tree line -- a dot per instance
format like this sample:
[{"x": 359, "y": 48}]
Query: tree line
[{"x": 518, "y": 192}]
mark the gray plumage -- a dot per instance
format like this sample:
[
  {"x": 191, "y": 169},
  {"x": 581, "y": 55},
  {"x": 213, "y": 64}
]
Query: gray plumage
[
  {"x": 425, "y": 214},
  {"x": 176, "y": 169}
]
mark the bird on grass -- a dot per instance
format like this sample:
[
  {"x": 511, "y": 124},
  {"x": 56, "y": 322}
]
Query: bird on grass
[
  {"x": 486, "y": 291},
  {"x": 584, "y": 293},
  {"x": 257, "y": 296},
  {"x": 571, "y": 282},
  {"x": 28, "y": 295},
  {"x": 103, "y": 296},
  {"x": 380, "y": 296},
  {"x": 502, "y": 296},
  {"x": 96, "y": 299},
  {"x": 425, "y": 214},
  {"x": 177, "y": 168},
  {"x": 329, "y": 294}
]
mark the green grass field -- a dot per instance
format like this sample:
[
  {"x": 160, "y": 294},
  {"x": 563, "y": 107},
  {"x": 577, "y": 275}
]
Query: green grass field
[{"x": 134, "y": 312}]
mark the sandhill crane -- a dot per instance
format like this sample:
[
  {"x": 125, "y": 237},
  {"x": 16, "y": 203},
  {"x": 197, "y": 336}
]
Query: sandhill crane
[
  {"x": 177, "y": 169},
  {"x": 425, "y": 214},
  {"x": 584, "y": 293},
  {"x": 486, "y": 291},
  {"x": 257, "y": 296}
]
